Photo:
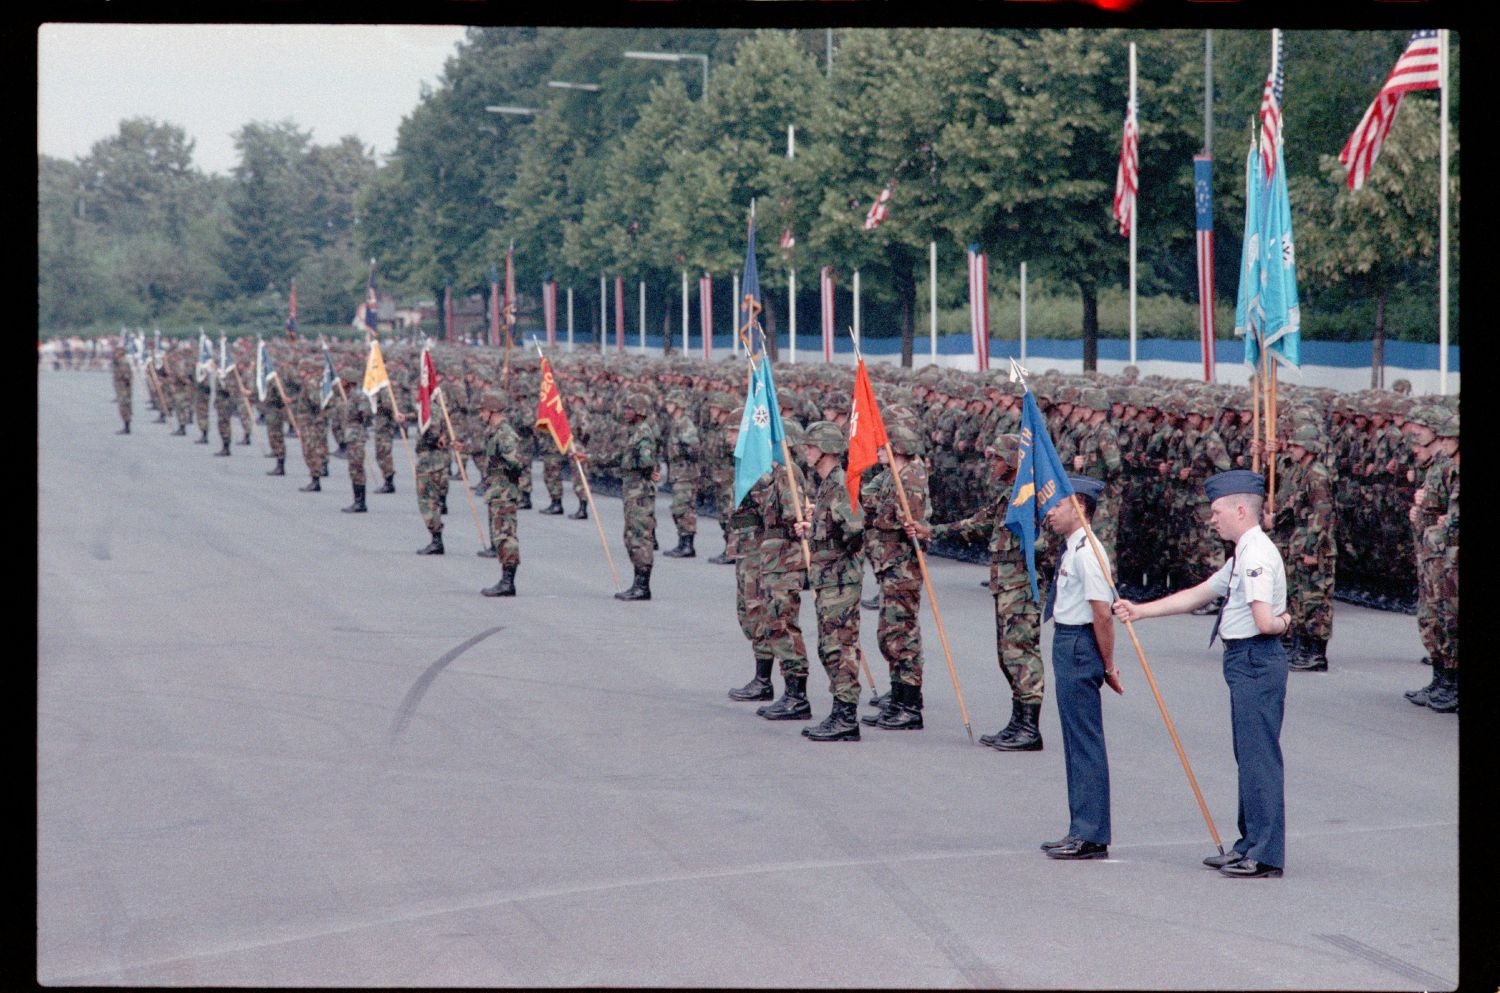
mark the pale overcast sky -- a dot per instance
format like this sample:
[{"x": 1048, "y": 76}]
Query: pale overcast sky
[{"x": 211, "y": 79}]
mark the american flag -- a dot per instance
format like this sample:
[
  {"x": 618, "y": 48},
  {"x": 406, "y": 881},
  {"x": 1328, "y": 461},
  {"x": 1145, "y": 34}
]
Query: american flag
[
  {"x": 825, "y": 287},
  {"x": 1270, "y": 107},
  {"x": 1416, "y": 69},
  {"x": 1127, "y": 176},
  {"x": 1203, "y": 203},
  {"x": 979, "y": 306},
  {"x": 878, "y": 210}
]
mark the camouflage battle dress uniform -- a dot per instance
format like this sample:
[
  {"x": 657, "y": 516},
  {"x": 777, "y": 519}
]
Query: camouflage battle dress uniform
[
  {"x": 121, "y": 369},
  {"x": 433, "y": 458},
  {"x": 783, "y": 573},
  {"x": 356, "y": 418},
  {"x": 638, "y": 477},
  {"x": 504, "y": 464},
  {"x": 682, "y": 457},
  {"x": 1018, "y": 619}
]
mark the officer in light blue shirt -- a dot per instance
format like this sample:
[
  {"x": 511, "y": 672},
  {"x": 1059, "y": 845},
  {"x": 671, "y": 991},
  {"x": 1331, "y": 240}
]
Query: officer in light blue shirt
[
  {"x": 1251, "y": 623},
  {"x": 1083, "y": 644}
]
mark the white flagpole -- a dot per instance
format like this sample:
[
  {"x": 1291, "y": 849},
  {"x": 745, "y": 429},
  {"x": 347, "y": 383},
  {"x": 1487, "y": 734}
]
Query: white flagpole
[
  {"x": 684, "y": 313},
  {"x": 1135, "y": 207},
  {"x": 643, "y": 317},
  {"x": 791, "y": 309},
  {"x": 1443, "y": 214},
  {"x": 856, "y": 306},
  {"x": 932, "y": 296},
  {"x": 1023, "y": 313},
  {"x": 734, "y": 316},
  {"x": 603, "y": 315},
  {"x": 570, "y": 319}
]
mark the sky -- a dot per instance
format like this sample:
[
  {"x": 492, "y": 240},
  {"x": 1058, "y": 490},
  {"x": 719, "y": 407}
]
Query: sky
[{"x": 211, "y": 79}]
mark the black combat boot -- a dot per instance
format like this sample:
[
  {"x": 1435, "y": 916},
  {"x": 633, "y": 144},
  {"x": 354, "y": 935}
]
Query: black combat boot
[
  {"x": 443, "y": 505},
  {"x": 324, "y": 471},
  {"x": 507, "y": 584},
  {"x": 1311, "y": 656},
  {"x": 654, "y": 546},
  {"x": 871, "y": 602},
  {"x": 202, "y": 440},
  {"x": 1421, "y": 696},
  {"x": 181, "y": 429},
  {"x": 888, "y": 704},
  {"x": 554, "y": 508},
  {"x": 342, "y": 452},
  {"x": 839, "y": 725},
  {"x": 245, "y": 440},
  {"x": 125, "y": 429},
  {"x": 793, "y": 705},
  {"x": 280, "y": 469},
  {"x": 1009, "y": 729},
  {"x": 312, "y": 487},
  {"x": 1444, "y": 699},
  {"x": 684, "y": 549},
  {"x": 1027, "y": 736},
  {"x": 434, "y": 547},
  {"x": 161, "y": 418},
  {"x": 907, "y": 715},
  {"x": 758, "y": 688},
  {"x": 358, "y": 506},
  {"x": 225, "y": 450},
  {"x": 390, "y": 485},
  {"x": 488, "y": 553},
  {"x": 525, "y": 503},
  {"x": 581, "y": 514},
  {"x": 640, "y": 589}
]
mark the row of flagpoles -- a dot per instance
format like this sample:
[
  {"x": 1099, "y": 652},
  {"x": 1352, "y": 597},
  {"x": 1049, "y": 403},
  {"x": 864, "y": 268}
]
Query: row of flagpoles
[{"x": 1266, "y": 311}]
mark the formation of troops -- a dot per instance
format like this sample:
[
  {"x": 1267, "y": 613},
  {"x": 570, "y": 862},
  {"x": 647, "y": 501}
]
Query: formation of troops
[{"x": 1364, "y": 501}]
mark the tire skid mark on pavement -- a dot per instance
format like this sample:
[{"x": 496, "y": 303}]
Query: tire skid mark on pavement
[
  {"x": 1389, "y": 962},
  {"x": 414, "y": 695}
]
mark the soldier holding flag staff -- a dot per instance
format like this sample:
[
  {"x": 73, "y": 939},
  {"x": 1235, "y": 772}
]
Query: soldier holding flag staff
[{"x": 1251, "y": 622}]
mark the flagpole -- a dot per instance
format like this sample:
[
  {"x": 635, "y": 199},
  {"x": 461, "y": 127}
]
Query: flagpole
[
  {"x": 1134, "y": 211},
  {"x": 1443, "y": 213},
  {"x": 405, "y": 441},
  {"x": 245, "y": 399},
  {"x": 932, "y": 297},
  {"x": 786, "y": 453},
  {"x": 963, "y": 710},
  {"x": 583, "y": 477},
  {"x": 462, "y": 472},
  {"x": 287, "y": 404}
]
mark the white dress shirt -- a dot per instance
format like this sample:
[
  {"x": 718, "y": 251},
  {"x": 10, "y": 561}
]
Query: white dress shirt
[
  {"x": 1255, "y": 573},
  {"x": 1079, "y": 580}
]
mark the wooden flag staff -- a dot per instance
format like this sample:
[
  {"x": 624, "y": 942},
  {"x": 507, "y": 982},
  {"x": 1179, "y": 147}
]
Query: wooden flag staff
[{"x": 462, "y": 472}]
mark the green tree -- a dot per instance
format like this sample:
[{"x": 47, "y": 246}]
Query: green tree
[{"x": 271, "y": 225}]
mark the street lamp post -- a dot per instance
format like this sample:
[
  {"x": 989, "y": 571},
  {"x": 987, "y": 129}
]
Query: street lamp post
[
  {"x": 563, "y": 84},
  {"x": 675, "y": 57},
  {"x": 517, "y": 111}
]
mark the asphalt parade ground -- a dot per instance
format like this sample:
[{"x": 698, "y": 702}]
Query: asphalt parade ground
[{"x": 277, "y": 748}]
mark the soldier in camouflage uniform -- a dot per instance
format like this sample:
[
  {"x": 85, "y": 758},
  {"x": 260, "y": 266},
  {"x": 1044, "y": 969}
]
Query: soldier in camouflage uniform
[
  {"x": 1304, "y": 521},
  {"x": 433, "y": 457},
  {"x": 893, "y": 557},
  {"x": 1433, "y": 517},
  {"x": 834, "y": 529},
  {"x": 552, "y": 473},
  {"x": 504, "y": 464},
  {"x": 202, "y": 393},
  {"x": 1096, "y": 454},
  {"x": 275, "y": 412},
  {"x": 579, "y": 425},
  {"x": 783, "y": 573},
  {"x": 314, "y": 427},
  {"x": 638, "y": 478},
  {"x": 1017, "y": 617},
  {"x": 743, "y": 547},
  {"x": 718, "y": 455},
  {"x": 226, "y": 398},
  {"x": 683, "y": 450},
  {"x": 383, "y": 426},
  {"x": 121, "y": 369},
  {"x": 355, "y": 414}
]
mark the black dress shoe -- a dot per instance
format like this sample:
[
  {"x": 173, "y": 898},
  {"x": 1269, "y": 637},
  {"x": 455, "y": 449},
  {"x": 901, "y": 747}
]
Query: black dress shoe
[
  {"x": 1080, "y": 850},
  {"x": 1250, "y": 869},
  {"x": 1220, "y": 861},
  {"x": 1062, "y": 842}
]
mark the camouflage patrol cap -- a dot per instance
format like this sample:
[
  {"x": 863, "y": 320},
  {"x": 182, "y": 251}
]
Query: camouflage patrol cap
[
  {"x": 827, "y": 437},
  {"x": 1004, "y": 446},
  {"x": 904, "y": 439},
  {"x": 1118, "y": 394},
  {"x": 1308, "y": 436},
  {"x": 492, "y": 400},
  {"x": 678, "y": 398},
  {"x": 639, "y": 402},
  {"x": 1094, "y": 399},
  {"x": 1402, "y": 386},
  {"x": 1449, "y": 427},
  {"x": 793, "y": 432}
]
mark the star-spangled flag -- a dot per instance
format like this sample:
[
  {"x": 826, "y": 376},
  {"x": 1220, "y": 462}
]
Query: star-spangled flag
[
  {"x": 376, "y": 378},
  {"x": 550, "y": 415},
  {"x": 1270, "y": 108},
  {"x": 205, "y": 364},
  {"x": 878, "y": 209},
  {"x": 866, "y": 430},
  {"x": 327, "y": 387},
  {"x": 427, "y": 385},
  {"x": 264, "y": 370},
  {"x": 979, "y": 307},
  {"x": 1127, "y": 175},
  {"x": 1041, "y": 483},
  {"x": 1416, "y": 69},
  {"x": 760, "y": 440},
  {"x": 1203, "y": 207}
]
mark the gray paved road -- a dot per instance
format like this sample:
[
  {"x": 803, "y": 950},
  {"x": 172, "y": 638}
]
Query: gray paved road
[{"x": 277, "y": 748}]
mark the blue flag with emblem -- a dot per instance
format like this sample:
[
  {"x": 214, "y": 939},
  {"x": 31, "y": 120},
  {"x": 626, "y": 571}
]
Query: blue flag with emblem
[
  {"x": 759, "y": 444},
  {"x": 1041, "y": 483},
  {"x": 1266, "y": 307}
]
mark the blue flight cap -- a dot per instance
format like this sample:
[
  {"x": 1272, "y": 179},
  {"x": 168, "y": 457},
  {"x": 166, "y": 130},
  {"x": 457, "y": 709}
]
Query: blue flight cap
[
  {"x": 1234, "y": 481},
  {"x": 1084, "y": 486}
]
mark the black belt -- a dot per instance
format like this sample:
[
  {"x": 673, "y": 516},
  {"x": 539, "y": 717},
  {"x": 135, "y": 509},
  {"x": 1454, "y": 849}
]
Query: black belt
[
  {"x": 1059, "y": 625},
  {"x": 1253, "y": 637}
]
